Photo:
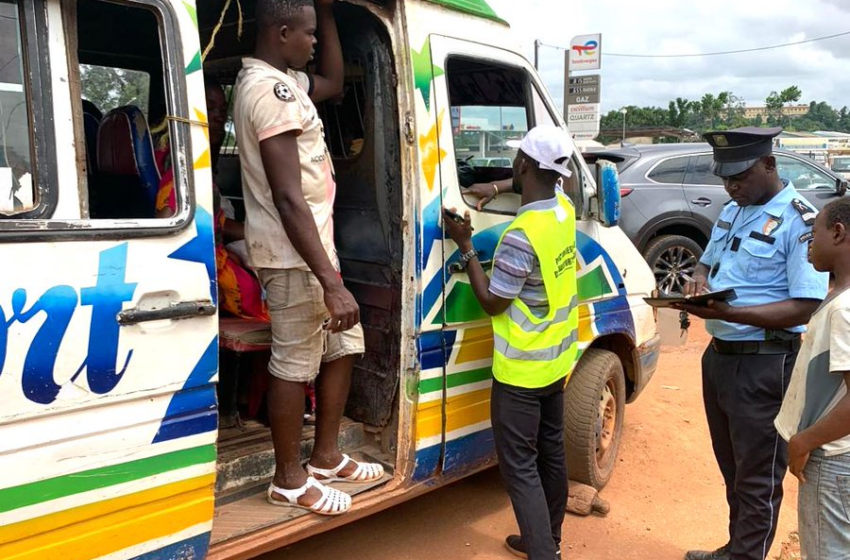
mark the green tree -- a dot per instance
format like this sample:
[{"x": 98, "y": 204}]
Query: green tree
[
  {"x": 775, "y": 102},
  {"x": 109, "y": 88}
]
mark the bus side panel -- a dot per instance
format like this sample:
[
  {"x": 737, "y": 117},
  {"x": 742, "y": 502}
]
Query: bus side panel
[{"x": 107, "y": 432}]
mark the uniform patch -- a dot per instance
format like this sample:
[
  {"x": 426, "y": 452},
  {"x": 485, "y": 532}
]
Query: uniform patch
[
  {"x": 805, "y": 212},
  {"x": 282, "y": 92},
  {"x": 770, "y": 225},
  {"x": 723, "y": 224},
  {"x": 762, "y": 237},
  {"x": 806, "y": 237}
]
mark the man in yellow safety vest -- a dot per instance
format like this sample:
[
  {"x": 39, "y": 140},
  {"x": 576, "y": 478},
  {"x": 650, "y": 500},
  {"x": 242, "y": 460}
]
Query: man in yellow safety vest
[{"x": 532, "y": 299}]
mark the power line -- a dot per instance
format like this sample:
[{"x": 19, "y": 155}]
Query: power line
[{"x": 718, "y": 53}]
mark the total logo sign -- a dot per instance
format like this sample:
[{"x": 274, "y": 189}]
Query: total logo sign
[{"x": 586, "y": 52}]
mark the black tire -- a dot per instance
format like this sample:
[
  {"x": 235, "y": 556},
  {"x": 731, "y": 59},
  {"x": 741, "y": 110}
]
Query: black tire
[
  {"x": 597, "y": 384},
  {"x": 669, "y": 256}
]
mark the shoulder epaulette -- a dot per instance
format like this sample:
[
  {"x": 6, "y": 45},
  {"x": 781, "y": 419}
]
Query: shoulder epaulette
[{"x": 807, "y": 213}]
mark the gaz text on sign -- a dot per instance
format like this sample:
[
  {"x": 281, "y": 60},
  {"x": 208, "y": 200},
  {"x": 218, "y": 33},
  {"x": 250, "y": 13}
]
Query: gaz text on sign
[{"x": 586, "y": 91}]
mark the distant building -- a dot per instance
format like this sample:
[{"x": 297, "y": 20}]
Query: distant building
[
  {"x": 819, "y": 145},
  {"x": 790, "y": 111}
]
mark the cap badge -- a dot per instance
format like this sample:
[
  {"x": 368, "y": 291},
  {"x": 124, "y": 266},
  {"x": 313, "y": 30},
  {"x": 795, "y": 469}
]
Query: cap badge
[{"x": 721, "y": 141}]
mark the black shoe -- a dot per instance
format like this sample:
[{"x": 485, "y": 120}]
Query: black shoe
[
  {"x": 514, "y": 545},
  {"x": 721, "y": 553}
]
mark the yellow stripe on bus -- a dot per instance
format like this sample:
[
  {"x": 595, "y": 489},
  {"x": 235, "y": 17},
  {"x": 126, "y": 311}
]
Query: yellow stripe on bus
[
  {"x": 477, "y": 345},
  {"x": 462, "y": 410},
  {"x": 468, "y": 409},
  {"x": 99, "y": 529},
  {"x": 429, "y": 420}
]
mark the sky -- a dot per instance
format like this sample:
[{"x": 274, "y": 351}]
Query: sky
[{"x": 662, "y": 27}]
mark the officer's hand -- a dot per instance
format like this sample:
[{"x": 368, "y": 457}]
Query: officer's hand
[
  {"x": 715, "y": 310},
  {"x": 485, "y": 192},
  {"x": 798, "y": 456},
  {"x": 697, "y": 286}
]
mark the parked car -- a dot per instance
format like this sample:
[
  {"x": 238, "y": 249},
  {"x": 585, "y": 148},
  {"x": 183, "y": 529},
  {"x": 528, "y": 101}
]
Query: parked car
[
  {"x": 671, "y": 199},
  {"x": 841, "y": 166}
]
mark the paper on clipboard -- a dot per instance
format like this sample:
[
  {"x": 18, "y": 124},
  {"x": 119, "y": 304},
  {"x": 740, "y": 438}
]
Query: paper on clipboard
[{"x": 702, "y": 299}]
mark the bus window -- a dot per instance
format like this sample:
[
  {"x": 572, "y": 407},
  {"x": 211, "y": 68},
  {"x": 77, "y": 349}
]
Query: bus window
[
  {"x": 127, "y": 138},
  {"x": 16, "y": 171},
  {"x": 109, "y": 88}
]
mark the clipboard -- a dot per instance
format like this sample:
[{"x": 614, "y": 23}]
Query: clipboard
[{"x": 702, "y": 299}]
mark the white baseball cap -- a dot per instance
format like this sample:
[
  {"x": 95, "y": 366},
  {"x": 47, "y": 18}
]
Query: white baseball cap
[{"x": 549, "y": 146}]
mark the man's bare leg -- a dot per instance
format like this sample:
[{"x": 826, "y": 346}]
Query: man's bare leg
[
  {"x": 286, "y": 416},
  {"x": 332, "y": 388}
]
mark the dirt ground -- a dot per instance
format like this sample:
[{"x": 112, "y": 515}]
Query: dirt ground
[{"x": 666, "y": 496}]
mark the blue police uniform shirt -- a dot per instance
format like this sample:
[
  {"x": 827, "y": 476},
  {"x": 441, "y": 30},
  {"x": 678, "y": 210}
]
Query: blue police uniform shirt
[{"x": 762, "y": 252}]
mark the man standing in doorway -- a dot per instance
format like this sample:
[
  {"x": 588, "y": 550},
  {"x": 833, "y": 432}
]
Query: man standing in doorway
[
  {"x": 532, "y": 300},
  {"x": 289, "y": 194},
  {"x": 759, "y": 248}
]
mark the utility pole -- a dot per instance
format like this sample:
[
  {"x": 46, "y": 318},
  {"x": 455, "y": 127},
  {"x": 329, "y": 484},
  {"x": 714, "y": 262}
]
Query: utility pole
[
  {"x": 623, "y": 111},
  {"x": 536, "y": 54}
]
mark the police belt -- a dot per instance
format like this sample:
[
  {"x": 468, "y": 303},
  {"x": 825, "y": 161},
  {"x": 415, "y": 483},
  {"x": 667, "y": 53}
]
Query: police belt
[{"x": 756, "y": 346}]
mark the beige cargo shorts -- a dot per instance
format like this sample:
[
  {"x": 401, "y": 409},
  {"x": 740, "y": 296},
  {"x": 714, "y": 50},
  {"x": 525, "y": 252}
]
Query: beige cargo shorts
[{"x": 300, "y": 343}]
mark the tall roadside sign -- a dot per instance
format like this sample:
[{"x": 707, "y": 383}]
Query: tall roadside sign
[{"x": 582, "y": 92}]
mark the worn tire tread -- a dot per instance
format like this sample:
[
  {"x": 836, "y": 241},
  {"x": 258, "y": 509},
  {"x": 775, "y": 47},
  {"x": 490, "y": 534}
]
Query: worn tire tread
[{"x": 581, "y": 404}]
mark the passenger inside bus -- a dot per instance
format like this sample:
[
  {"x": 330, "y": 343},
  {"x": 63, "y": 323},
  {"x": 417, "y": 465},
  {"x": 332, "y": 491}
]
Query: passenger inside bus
[{"x": 239, "y": 289}]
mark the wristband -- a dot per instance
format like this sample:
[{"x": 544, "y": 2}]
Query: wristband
[
  {"x": 466, "y": 257},
  {"x": 495, "y": 194}
]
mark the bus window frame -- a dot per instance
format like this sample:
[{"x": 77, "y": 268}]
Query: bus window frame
[
  {"x": 37, "y": 225},
  {"x": 38, "y": 91}
]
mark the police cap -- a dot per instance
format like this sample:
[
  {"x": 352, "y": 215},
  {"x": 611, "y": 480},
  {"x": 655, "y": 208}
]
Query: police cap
[{"x": 738, "y": 149}]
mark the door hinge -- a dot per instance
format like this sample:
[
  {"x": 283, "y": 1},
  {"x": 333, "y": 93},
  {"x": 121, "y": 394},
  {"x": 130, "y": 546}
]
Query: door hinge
[{"x": 409, "y": 131}]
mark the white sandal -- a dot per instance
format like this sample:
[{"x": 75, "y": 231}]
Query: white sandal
[
  {"x": 332, "y": 502},
  {"x": 365, "y": 472}
]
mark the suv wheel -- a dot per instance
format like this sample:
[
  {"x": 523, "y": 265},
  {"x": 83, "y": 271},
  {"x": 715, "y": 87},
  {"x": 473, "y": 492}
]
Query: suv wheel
[{"x": 671, "y": 256}]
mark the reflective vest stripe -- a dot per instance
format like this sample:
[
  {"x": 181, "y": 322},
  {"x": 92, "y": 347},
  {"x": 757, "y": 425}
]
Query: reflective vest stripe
[
  {"x": 540, "y": 355},
  {"x": 524, "y": 322}
]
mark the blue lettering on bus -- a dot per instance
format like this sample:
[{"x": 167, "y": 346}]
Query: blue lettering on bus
[{"x": 59, "y": 304}]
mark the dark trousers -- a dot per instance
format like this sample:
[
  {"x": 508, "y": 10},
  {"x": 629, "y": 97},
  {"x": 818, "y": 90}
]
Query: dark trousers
[
  {"x": 528, "y": 426},
  {"x": 742, "y": 395}
]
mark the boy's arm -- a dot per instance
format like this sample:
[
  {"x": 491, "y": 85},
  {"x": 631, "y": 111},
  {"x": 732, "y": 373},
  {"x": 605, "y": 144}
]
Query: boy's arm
[
  {"x": 831, "y": 427},
  {"x": 836, "y": 424},
  {"x": 329, "y": 79}
]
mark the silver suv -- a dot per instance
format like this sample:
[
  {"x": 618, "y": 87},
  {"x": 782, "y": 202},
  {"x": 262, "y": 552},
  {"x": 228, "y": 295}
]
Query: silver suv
[{"x": 671, "y": 200}]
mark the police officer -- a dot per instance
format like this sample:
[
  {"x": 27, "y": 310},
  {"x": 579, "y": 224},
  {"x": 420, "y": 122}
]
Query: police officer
[{"x": 759, "y": 247}]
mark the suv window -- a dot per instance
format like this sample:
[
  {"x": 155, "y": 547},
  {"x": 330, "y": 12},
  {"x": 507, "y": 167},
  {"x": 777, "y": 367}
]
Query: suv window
[
  {"x": 670, "y": 171},
  {"x": 16, "y": 170},
  {"x": 803, "y": 175},
  {"x": 700, "y": 173}
]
